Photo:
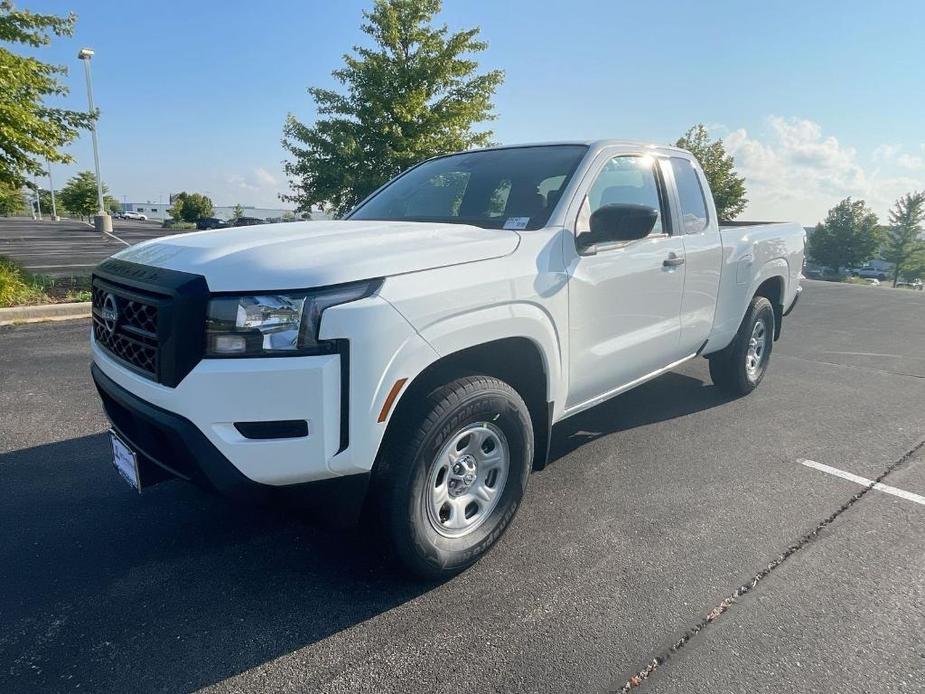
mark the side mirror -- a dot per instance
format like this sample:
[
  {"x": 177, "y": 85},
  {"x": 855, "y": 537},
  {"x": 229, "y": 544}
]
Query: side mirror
[{"x": 618, "y": 222}]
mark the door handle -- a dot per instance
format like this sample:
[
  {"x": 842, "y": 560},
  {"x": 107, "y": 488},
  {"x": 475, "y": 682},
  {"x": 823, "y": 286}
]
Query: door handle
[{"x": 673, "y": 261}]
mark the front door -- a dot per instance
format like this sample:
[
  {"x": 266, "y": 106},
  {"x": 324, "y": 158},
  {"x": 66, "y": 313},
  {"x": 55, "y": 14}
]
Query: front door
[{"x": 625, "y": 300}]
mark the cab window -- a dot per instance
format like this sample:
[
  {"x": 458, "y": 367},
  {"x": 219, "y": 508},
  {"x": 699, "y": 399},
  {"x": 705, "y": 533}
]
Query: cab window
[
  {"x": 624, "y": 179},
  {"x": 690, "y": 192}
]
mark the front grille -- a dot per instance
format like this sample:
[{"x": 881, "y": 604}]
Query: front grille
[
  {"x": 130, "y": 331},
  {"x": 155, "y": 321}
]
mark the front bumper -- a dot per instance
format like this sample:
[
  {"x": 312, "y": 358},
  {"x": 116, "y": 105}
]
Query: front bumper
[
  {"x": 178, "y": 448},
  {"x": 218, "y": 393}
]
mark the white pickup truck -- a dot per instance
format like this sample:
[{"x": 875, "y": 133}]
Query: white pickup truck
[{"x": 406, "y": 365}]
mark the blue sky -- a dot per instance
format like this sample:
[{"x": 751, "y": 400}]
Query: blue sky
[{"x": 818, "y": 100}]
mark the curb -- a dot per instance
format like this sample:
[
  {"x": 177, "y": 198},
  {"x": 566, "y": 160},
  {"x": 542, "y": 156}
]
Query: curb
[{"x": 44, "y": 312}]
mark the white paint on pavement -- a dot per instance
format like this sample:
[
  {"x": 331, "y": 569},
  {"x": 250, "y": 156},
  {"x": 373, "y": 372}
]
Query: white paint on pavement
[
  {"x": 857, "y": 479},
  {"x": 117, "y": 238}
]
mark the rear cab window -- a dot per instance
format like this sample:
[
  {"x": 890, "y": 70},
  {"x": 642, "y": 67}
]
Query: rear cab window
[{"x": 691, "y": 195}]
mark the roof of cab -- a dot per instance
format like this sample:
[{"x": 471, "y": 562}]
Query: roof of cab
[{"x": 595, "y": 145}]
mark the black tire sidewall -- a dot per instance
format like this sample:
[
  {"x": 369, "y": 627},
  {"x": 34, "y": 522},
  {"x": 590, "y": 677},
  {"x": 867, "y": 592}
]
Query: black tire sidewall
[
  {"x": 759, "y": 310},
  {"x": 421, "y": 547}
]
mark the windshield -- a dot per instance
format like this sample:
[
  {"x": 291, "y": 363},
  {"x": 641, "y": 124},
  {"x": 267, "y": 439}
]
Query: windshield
[{"x": 515, "y": 188}]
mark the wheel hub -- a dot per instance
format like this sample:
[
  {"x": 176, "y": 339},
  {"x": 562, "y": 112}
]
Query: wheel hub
[
  {"x": 757, "y": 346},
  {"x": 466, "y": 479},
  {"x": 462, "y": 475}
]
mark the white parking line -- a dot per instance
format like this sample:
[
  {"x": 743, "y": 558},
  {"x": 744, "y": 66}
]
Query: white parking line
[
  {"x": 901, "y": 493},
  {"x": 117, "y": 238}
]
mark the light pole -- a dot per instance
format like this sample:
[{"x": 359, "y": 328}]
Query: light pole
[
  {"x": 102, "y": 221},
  {"x": 51, "y": 185},
  {"x": 38, "y": 200}
]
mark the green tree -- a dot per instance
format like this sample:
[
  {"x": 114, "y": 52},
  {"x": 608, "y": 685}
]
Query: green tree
[
  {"x": 112, "y": 205},
  {"x": 45, "y": 199},
  {"x": 176, "y": 207},
  {"x": 719, "y": 168},
  {"x": 12, "y": 201},
  {"x": 903, "y": 245},
  {"x": 914, "y": 268},
  {"x": 191, "y": 207},
  {"x": 414, "y": 95},
  {"x": 32, "y": 132},
  {"x": 848, "y": 237},
  {"x": 237, "y": 212},
  {"x": 78, "y": 196}
]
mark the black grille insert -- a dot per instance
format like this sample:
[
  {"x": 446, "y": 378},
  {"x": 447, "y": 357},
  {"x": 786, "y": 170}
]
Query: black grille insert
[
  {"x": 125, "y": 324},
  {"x": 160, "y": 317}
]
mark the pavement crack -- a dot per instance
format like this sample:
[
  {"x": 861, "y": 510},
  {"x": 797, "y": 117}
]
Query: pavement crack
[
  {"x": 859, "y": 367},
  {"x": 663, "y": 657}
]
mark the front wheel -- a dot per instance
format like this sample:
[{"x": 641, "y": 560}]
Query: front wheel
[
  {"x": 739, "y": 368},
  {"x": 453, "y": 474}
]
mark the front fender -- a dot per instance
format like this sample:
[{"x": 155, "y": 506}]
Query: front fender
[{"x": 517, "y": 319}]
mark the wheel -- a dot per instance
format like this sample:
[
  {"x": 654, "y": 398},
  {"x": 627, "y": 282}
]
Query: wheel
[
  {"x": 452, "y": 475},
  {"x": 739, "y": 368}
]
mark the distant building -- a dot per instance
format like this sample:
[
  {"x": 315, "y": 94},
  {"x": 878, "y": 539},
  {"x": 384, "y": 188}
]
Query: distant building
[
  {"x": 266, "y": 213},
  {"x": 152, "y": 210},
  {"x": 161, "y": 211}
]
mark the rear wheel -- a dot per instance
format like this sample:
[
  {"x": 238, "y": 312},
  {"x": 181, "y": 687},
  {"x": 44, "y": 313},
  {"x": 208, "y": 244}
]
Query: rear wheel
[
  {"x": 739, "y": 368},
  {"x": 452, "y": 475}
]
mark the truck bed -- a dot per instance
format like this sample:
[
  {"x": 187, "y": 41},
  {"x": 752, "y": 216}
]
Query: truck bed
[{"x": 753, "y": 251}]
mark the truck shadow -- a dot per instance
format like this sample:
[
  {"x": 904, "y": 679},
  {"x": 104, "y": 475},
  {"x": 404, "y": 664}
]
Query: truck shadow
[
  {"x": 168, "y": 591},
  {"x": 176, "y": 589},
  {"x": 667, "y": 397}
]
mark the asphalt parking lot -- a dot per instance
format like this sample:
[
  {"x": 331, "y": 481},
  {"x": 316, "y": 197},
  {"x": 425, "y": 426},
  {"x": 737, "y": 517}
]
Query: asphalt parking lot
[
  {"x": 68, "y": 248},
  {"x": 659, "y": 506}
]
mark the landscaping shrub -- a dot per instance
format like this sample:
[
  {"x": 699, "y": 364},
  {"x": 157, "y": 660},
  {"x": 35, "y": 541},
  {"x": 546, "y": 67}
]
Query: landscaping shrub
[
  {"x": 19, "y": 288},
  {"x": 177, "y": 224},
  {"x": 16, "y": 287}
]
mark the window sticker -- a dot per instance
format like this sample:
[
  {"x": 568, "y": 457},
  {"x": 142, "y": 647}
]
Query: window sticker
[{"x": 516, "y": 223}]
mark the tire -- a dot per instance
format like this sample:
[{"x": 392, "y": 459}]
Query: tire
[
  {"x": 736, "y": 369},
  {"x": 438, "y": 466}
]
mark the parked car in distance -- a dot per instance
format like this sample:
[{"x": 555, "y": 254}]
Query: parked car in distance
[
  {"x": 247, "y": 221},
  {"x": 914, "y": 284},
  {"x": 871, "y": 273},
  {"x": 204, "y": 223},
  {"x": 406, "y": 365},
  {"x": 135, "y": 215}
]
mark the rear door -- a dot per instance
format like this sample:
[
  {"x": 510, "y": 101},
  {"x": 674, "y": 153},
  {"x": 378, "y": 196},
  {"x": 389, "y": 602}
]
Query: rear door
[{"x": 624, "y": 300}]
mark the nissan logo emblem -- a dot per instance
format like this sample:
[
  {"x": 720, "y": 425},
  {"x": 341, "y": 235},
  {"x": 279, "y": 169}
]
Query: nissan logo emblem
[{"x": 110, "y": 313}]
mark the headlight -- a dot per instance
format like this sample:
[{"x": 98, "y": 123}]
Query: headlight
[{"x": 273, "y": 323}]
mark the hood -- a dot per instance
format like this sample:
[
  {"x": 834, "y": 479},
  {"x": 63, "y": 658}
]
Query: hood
[{"x": 298, "y": 255}]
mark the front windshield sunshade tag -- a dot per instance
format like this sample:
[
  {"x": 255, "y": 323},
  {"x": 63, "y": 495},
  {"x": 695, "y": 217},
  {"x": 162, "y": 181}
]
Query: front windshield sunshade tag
[{"x": 516, "y": 223}]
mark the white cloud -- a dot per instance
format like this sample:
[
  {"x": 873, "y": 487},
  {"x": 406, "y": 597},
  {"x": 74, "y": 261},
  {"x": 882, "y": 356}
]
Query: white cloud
[
  {"x": 908, "y": 161},
  {"x": 798, "y": 172},
  {"x": 885, "y": 152},
  {"x": 258, "y": 186},
  {"x": 264, "y": 176}
]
